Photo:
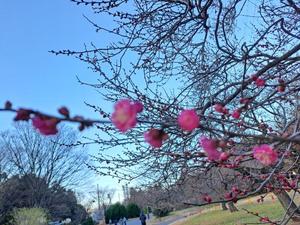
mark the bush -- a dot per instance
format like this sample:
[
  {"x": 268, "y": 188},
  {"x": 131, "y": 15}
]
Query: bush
[
  {"x": 161, "y": 212},
  {"x": 88, "y": 221},
  {"x": 115, "y": 212},
  {"x": 29, "y": 216},
  {"x": 133, "y": 210}
]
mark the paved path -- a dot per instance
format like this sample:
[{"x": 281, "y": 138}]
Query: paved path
[
  {"x": 170, "y": 220},
  {"x": 134, "y": 222},
  {"x": 167, "y": 222}
]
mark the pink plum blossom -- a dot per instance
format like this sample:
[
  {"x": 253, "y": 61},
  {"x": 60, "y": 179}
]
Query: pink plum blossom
[
  {"x": 155, "y": 137},
  {"x": 210, "y": 147},
  {"x": 188, "y": 120},
  {"x": 265, "y": 154},
  {"x": 45, "y": 125},
  {"x": 124, "y": 116}
]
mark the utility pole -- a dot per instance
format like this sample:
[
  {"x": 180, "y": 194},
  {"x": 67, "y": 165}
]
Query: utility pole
[
  {"x": 127, "y": 192},
  {"x": 124, "y": 193},
  {"x": 98, "y": 196},
  {"x": 109, "y": 197}
]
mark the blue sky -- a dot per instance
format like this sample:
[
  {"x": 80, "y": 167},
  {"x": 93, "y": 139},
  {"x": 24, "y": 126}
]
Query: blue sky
[{"x": 30, "y": 75}]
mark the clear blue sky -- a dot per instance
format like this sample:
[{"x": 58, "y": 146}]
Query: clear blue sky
[{"x": 32, "y": 77}]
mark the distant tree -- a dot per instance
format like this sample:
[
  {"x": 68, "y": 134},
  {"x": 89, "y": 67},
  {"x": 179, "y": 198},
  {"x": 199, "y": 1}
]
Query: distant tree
[
  {"x": 132, "y": 210},
  {"x": 30, "y": 191},
  {"x": 4, "y": 165},
  {"x": 155, "y": 196},
  {"x": 115, "y": 212},
  {"x": 55, "y": 159}
]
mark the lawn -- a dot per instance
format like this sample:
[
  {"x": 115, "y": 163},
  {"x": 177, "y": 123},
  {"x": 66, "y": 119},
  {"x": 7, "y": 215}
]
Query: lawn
[{"x": 272, "y": 209}]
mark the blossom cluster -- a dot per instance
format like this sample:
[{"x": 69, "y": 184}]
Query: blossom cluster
[
  {"x": 45, "y": 125},
  {"x": 124, "y": 118}
]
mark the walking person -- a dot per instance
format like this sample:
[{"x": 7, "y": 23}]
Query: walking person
[
  {"x": 124, "y": 221},
  {"x": 143, "y": 218}
]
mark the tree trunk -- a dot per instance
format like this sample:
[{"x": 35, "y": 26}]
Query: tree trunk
[
  {"x": 288, "y": 204},
  {"x": 223, "y": 205},
  {"x": 232, "y": 207}
]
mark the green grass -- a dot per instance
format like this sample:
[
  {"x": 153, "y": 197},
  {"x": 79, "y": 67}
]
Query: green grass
[
  {"x": 218, "y": 217},
  {"x": 271, "y": 209},
  {"x": 213, "y": 215}
]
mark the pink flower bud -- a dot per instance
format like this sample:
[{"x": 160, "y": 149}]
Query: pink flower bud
[
  {"x": 264, "y": 219},
  {"x": 22, "y": 114},
  {"x": 64, "y": 111},
  {"x": 155, "y": 137},
  {"x": 236, "y": 114},
  {"x": 224, "y": 156},
  {"x": 225, "y": 111},
  {"x": 235, "y": 189},
  {"x": 281, "y": 88},
  {"x": 219, "y": 108},
  {"x": 245, "y": 100},
  {"x": 138, "y": 106},
  {"x": 7, "y": 105},
  {"x": 207, "y": 199},
  {"x": 254, "y": 77},
  {"x": 260, "y": 82},
  {"x": 228, "y": 196},
  {"x": 222, "y": 144}
]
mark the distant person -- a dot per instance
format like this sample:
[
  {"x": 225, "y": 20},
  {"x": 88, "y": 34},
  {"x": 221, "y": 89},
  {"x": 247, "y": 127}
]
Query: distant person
[
  {"x": 143, "y": 218},
  {"x": 124, "y": 222}
]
